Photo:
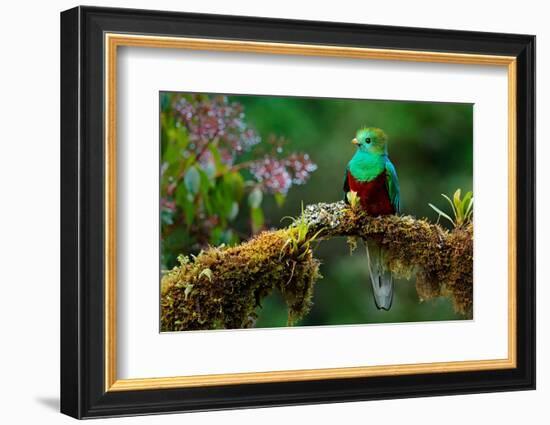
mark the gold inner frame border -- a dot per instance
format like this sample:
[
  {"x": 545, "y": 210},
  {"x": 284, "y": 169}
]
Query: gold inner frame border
[{"x": 111, "y": 43}]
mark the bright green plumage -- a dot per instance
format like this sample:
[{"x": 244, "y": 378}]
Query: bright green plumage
[
  {"x": 372, "y": 176},
  {"x": 371, "y": 159},
  {"x": 393, "y": 185},
  {"x": 365, "y": 166}
]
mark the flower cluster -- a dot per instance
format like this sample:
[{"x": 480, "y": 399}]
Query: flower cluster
[
  {"x": 272, "y": 174},
  {"x": 214, "y": 170},
  {"x": 278, "y": 175},
  {"x": 215, "y": 119},
  {"x": 300, "y": 166}
]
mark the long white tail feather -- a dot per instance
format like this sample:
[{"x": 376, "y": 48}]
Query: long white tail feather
[{"x": 381, "y": 278}]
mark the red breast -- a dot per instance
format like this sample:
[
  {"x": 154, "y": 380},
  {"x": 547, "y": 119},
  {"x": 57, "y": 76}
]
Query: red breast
[{"x": 373, "y": 194}]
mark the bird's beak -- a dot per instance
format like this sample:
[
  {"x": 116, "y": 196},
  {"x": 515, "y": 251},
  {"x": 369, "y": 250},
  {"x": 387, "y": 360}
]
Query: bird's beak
[{"x": 355, "y": 142}]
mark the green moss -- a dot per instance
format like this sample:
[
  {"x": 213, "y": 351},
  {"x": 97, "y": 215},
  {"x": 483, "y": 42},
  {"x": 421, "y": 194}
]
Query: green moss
[
  {"x": 239, "y": 277},
  {"x": 441, "y": 261},
  {"x": 223, "y": 287}
]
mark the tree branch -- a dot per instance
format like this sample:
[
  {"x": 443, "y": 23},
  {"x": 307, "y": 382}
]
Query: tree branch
[{"x": 223, "y": 287}]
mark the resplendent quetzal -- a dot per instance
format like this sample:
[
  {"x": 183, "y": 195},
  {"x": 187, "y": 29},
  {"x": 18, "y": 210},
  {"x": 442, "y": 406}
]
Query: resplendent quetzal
[{"x": 372, "y": 176}]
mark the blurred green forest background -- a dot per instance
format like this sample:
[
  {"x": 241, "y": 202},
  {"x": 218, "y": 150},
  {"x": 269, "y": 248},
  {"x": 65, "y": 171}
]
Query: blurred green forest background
[{"x": 430, "y": 145}]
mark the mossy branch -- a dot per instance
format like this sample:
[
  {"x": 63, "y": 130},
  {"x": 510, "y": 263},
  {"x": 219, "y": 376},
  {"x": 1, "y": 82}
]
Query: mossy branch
[{"x": 223, "y": 287}]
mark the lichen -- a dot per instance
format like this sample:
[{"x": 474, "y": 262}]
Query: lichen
[{"x": 223, "y": 287}]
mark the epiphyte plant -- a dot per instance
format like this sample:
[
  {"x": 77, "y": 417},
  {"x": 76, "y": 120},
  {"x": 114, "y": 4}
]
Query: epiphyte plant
[{"x": 462, "y": 208}]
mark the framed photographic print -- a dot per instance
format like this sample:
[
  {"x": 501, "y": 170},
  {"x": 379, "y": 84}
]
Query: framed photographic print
[{"x": 261, "y": 212}]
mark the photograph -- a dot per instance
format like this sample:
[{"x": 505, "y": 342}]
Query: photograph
[
  {"x": 286, "y": 210},
  {"x": 283, "y": 211}
]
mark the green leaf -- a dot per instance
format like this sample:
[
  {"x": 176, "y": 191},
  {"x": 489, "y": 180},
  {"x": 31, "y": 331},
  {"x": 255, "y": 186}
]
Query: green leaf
[
  {"x": 466, "y": 201},
  {"x": 184, "y": 200},
  {"x": 456, "y": 198},
  {"x": 205, "y": 181},
  {"x": 441, "y": 213},
  {"x": 221, "y": 168},
  {"x": 469, "y": 210},
  {"x": 216, "y": 236},
  {"x": 233, "y": 212},
  {"x": 166, "y": 217},
  {"x": 222, "y": 202},
  {"x": 189, "y": 213},
  {"x": 279, "y": 199},
  {"x": 451, "y": 203},
  {"x": 192, "y": 180},
  {"x": 176, "y": 142},
  {"x": 255, "y": 198},
  {"x": 181, "y": 196},
  {"x": 205, "y": 185},
  {"x": 210, "y": 170},
  {"x": 208, "y": 205},
  {"x": 234, "y": 184},
  {"x": 256, "y": 219}
]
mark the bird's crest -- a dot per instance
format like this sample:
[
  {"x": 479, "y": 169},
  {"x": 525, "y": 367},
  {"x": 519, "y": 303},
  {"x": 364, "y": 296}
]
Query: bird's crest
[{"x": 372, "y": 131}]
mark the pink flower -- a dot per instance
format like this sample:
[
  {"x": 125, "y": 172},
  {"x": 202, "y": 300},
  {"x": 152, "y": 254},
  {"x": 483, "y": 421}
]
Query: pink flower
[
  {"x": 278, "y": 175},
  {"x": 168, "y": 204},
  {"x": 215, "y": 120},
  {"x": 300, "y": 166},
  {"x": 208, "y": 119}
]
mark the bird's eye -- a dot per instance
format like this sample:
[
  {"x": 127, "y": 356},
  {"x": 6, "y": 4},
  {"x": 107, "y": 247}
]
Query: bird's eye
[{"x": 367, "y": 140}]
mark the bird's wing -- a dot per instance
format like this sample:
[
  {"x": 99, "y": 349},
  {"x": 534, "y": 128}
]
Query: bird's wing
[
  {"x": 346, "y": 185},
  {"x": 392, "y": 184}
]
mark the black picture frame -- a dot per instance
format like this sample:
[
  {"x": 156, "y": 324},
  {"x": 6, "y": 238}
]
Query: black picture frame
[{"x": 83, "y": 392}]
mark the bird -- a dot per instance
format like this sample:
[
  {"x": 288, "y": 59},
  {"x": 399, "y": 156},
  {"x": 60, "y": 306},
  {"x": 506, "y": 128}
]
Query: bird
[{"x": 372, "y": 177}]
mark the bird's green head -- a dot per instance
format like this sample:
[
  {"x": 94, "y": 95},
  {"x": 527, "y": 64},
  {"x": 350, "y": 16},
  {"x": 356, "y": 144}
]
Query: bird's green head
[{"x": 371, "y": 140}]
